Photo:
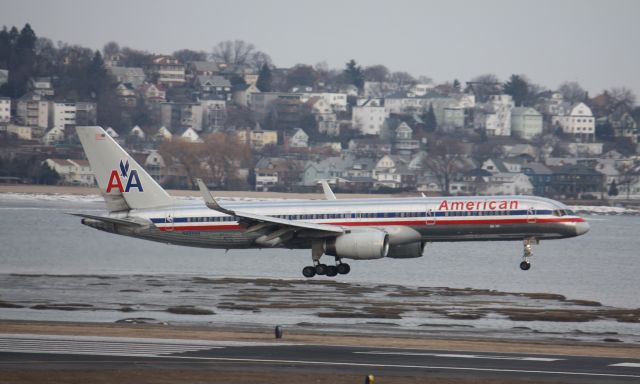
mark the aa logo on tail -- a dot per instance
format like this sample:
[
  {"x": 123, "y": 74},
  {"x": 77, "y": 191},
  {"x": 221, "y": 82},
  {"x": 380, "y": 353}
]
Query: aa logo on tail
[{"x": 131, "y": 177}]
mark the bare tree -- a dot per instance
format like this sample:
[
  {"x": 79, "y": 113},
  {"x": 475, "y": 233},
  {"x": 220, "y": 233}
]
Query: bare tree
[
  {"x": 446, "y": 157},
  {"x": 259, "y": 59},
  {"x": 572, "y": 92},
  {"x": 189, "y": 55},
  {"x": 623, "y": 98},
  {"x": 223, "y": 155},
  {"x": 376, "y": 72},
  {"x": 110, "y": 49},
  {"x": 402, "y": 80},
  {"x": 186, "y": 154},
  {"x": 629, "y": 174},
  {"x": 233, "y": 52}
]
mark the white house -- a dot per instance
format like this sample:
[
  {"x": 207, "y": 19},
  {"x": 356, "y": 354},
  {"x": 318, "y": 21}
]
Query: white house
[
  {"x": 163, "y": 134},
  {"x": 155, "y": 165},
  {"x": 369, "y": 117},
  {"x": 21, "y": 131},
  {"x": 337, "y": 101},
  {"x": 128, "y": 75},
  {"x": 64, "y": 114},
  {"x": 191, "y": 135},
  {"x": 73, "y": 171},
  {"x": 242, "y": 94},
  {"x": 53, "y": 136},
  {"x": 5, "y": 109},
  {"x": 579, "y": 121},
  {"x": 495, "y": 116},
  {"x": 33, "y": 110},
  {"x": 137, "y": 132},
  {"x": 526, "y": 122},
  {"x": 326, "y": 119},
  {"x": 299, "y": 139},
  {"x": 508, "y": 184}
]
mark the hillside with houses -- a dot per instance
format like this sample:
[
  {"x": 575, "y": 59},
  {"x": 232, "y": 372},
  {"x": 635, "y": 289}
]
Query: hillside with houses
[{"x": 241, "y": 122}]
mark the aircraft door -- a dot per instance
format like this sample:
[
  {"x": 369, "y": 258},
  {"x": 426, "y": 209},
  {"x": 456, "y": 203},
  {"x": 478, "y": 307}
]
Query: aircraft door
[
  {"x": 531, "y": 215},
  {"x": 431, "y": 217},
  {"x": 168, "y": 219}
]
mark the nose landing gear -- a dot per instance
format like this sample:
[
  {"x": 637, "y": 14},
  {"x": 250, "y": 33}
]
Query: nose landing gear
[{"x": 525, "y": 265}]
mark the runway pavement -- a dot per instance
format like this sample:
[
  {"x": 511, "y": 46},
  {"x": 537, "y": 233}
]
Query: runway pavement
[{"x": 22, "y": 351}]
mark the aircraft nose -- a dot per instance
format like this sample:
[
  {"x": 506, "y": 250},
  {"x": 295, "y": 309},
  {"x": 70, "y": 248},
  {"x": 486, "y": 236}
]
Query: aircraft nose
[{"x": 582, "y": 227}]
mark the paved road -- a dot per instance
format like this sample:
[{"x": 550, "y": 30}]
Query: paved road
[{"x": 49, "y": 352}]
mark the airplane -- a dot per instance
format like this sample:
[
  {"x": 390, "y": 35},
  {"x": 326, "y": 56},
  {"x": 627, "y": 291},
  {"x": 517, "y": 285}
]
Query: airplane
[{"x": 357, "y": 229}]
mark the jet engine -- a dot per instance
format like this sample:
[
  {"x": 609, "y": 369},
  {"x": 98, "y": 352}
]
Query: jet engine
[
  {"x": 406, "y": 251},
  {"x": 361, "y": 245}
]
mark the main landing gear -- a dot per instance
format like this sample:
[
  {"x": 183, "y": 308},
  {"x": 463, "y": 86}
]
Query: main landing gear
[
  {"x": 525, "y": 265},
  {"x": 329, "y": 270}
]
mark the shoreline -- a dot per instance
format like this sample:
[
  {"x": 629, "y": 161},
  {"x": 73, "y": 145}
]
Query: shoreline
[{"x": 580, "y": 207}]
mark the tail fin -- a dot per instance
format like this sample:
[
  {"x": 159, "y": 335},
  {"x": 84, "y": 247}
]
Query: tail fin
[{"x": 122, "y": 181}]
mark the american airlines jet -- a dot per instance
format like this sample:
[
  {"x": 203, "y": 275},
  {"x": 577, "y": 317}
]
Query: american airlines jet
[{"x": 359, "y": 229}]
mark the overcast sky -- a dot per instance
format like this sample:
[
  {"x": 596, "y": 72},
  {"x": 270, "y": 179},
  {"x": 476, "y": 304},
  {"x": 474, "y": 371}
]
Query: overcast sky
[{"x": 595, "y": 43}]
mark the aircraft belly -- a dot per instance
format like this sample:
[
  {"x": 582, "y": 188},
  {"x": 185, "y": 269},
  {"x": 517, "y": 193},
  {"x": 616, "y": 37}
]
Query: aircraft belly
[
  {"x": 481, "y": 232},
  {"x": 203, "y": 239}
]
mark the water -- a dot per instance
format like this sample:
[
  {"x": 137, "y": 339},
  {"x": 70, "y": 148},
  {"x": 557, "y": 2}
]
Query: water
[{"x": 37, "y": 237}]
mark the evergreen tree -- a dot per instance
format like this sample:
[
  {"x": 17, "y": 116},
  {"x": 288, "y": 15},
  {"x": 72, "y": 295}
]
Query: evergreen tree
[
  {"x": 430, "y": 122},
  {"x": 456, "y": 85},
  {"x": 355, "y": 74},
  {"x": 518, "y": 88},
  {"x": 265, "y": 79},
  {"x": 613, "y": 189}
]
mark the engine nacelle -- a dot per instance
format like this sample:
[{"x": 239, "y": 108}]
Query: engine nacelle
[
  {"x": 362, "y": 245},
  {"x": 406, "y": 251}
]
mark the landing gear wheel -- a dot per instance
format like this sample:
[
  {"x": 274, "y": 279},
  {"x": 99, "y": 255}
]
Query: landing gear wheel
[
  {"x": 332, "y": 270},
  {"x": 309, "y": 271},
  {"x": 525, "y": 265},
  {"x": 343, "y": 269},
  {"x": 321, "y": 269}
]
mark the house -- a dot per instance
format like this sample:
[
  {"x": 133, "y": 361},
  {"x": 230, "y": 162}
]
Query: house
[
  {"x": 578, "y": 121},
  {"x": 391, "y": 171},
  {"x": 153, "y": 93},
  {"x": 5, "y": 110},
  {"x": 154, "y": 164},
  {"x": 214, "y": 114},
  {"x": 277, "y": 173},
  {"x": 33, "y": 110},
  {"x": 133, "y": 76},
  {"x": 403, "y": 142},
  {"x": 42, "y": 86},
  {"x": 201, "y": 68},
  {"x": 362, "y": 168},
  {"x": 526, "y": 122},
  {"x": 72, "y": 171},
  {"x": 112, "y": 132},
  {"x": 20, "y": 131},
  {"x": 299, "y": 139},
  {"x": 176, "y": 116},
  {"x": 624, "y": 126},
  {"x": 53, "y": 136},
  {"x": 241, "y": 94},
  {"x": 243, "y": 71},
  {"x": 168, "y": 70},
  {"x": 263, "y": 103},
  {"x": 328, "y": 168},
  {"x": 213, "y": 87},
  {"x": 127, "y": 95},
  {"x": 163, "y": 134},
  {"x": 190, "y": 135},
  {"x": 575, "y": 180},
  {"x": 369, "y": 146},
  {"x": 539, "y": 176},
  {"x": 326, "y": 119},
  {"x": 73, "y": 113},
  {"x": 495, "y": 116},
  {"x": 508, "y": 183},
  {"x": 336, "y": 101},
  {"x": 137, "y": 132},
  {"x": 348, "y": 89},
  {"x": 368, "y": 117},
  {"x": 257, "y": 139}
]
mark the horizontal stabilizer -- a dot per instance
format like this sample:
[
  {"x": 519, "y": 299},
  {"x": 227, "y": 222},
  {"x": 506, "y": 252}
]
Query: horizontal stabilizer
[{"x": 127, "y": 222}]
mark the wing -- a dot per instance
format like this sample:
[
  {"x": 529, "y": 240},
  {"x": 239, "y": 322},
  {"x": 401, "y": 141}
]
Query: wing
[{"x": 275, "y": 229}]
